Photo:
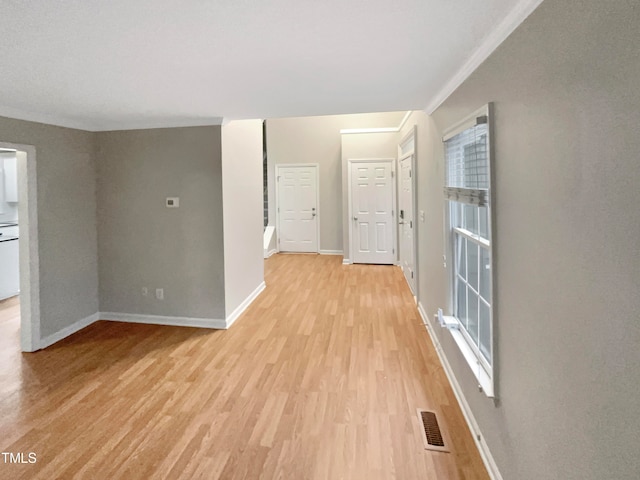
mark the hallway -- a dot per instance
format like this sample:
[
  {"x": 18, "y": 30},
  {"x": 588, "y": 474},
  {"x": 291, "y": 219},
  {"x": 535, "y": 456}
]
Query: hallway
[{"x": 319, "y": 379}]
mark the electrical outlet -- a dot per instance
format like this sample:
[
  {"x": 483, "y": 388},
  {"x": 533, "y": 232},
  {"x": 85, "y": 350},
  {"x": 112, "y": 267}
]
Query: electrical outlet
[
  {"x": 172, "y": 202},
  {"x": 160, "y": 293},
  {"x": 145, "y": 291}
]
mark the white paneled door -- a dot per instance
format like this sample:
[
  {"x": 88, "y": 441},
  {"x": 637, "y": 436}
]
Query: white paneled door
[
  {"x": 297, "y": 208},
  {"x": 372, "y": 202},
  {"x": 406, "y": 221}
]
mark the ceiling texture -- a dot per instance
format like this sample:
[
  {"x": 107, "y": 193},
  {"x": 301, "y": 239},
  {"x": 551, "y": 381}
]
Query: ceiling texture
[{"x": 121, "y": 64}]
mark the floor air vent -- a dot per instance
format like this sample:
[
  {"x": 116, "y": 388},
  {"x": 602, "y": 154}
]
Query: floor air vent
[{"x": 431, "y": 433}]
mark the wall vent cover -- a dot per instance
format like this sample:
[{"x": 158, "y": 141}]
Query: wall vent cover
[{"x": 432, "y": 436}]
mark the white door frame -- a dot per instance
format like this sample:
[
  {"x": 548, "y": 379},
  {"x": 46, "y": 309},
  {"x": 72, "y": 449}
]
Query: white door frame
[
  {"x": 414, "y": 199},
  {"x": 289, "y": 165},
  {"x": 350, "y": 162},
  {"x": 28, "y": 246}
]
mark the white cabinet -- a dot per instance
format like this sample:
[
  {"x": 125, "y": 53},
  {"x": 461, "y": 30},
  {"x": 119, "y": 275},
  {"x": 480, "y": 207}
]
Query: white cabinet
[
  {"x": 13, "y": 231},
  {"x": 11, "y": 179},
  {"x": 2, "y": 202},
  {"x": 9, "y": 269}
]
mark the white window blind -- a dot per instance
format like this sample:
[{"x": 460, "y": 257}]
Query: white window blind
[{"x": 467, "y": 165}]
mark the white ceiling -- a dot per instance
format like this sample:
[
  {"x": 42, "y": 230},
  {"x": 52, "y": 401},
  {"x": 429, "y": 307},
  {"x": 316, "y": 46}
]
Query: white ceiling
[{"x": 119, "y": 64}]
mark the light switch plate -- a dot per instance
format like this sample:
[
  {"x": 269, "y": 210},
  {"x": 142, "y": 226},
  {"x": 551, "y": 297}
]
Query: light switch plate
[{"x": 173, "y": 202}]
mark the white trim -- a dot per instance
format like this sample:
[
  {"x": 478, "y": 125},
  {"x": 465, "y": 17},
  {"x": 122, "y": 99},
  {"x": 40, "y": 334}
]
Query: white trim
[
  {"x": 497, "y": 35},
  {"x": 346, "y": 261},
  {"x": 164, "y": 320},
  {"x": 233, "y": 316},
  {"x": 154, "y": 320},
  {"x": 472, "y": 357},
  {"x": 214, "y": 323},
  {"x": 404, "y": 140},
  {"x": 348, "y": 131},
  {"x": 330, "y": 252},
  {"x": 278, "y": 230},
  {"x": 478, "y": 438},
  {"x": 412, "y": 134},
  {"x": 473, "y": 237},
  {"x": 69, "y": 330},
  {"x": 271, "y": 252},
  {"x": 404, "y": 119},
  {"x": 152, "y": 124},
  {"x": 467, "y": 122},
  {"x": 302, "y": 164},
  {"x": 88, "y": 126},
  {"x": 60, "y": 121}
]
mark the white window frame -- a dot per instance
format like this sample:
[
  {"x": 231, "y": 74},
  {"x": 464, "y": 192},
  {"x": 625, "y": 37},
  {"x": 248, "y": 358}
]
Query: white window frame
[{"x": 484, "y": 371}]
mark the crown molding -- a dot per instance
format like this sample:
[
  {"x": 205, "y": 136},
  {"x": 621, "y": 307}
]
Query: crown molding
[
  {"x": 515, "y": 17},
  {"x": 76, "y": 124},
  {"x": 58, "y": 121},
  {"x": 348, "y": 131}
]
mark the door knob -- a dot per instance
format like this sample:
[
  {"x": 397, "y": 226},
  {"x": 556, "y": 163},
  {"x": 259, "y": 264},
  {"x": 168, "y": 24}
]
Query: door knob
[{"x": 355, "y": 219}]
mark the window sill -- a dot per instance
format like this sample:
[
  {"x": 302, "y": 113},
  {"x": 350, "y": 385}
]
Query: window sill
[{"x": 485, "y": 382}]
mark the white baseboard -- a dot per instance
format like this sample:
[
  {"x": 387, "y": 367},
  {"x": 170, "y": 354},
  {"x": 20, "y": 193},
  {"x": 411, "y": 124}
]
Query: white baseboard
[
  {"x": 270, "y": 252},
  {"x": 346, "y": 261},
  {"x": 152, "y": 319},
  {"x": 478, "y": 438},
  {"x": 163, "y": 320},
  {"x": 233, "y": 316},
  {"x": 330, "y": 252},
  {"x": 66, "y": 331},
  {"x": 216, "y": 323}
]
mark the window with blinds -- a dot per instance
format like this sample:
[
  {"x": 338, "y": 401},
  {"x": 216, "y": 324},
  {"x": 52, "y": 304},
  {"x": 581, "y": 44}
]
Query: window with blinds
[
  {"x": 467, "y": 165},
  {"x": 467, "y": 191}
]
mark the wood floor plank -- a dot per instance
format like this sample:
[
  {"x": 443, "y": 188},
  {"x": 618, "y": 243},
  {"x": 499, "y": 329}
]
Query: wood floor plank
[{"x": 319, "y": 379}]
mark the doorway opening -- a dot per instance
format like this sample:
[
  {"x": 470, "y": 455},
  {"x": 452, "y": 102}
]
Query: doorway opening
[
  {"x": 20, "y": 245},
  {"x": 407, "y": 228}
]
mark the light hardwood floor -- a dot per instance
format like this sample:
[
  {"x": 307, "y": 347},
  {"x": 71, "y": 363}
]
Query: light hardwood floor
[{"x": 319, "y": 379}]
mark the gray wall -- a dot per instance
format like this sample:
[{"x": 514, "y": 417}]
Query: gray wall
[
  {"x": 567, "y": 113},
  {"x": 66, "y": 220},
  {"x": 317, "y": 140},
  {"x": 144, "y": 244},
  {"x": 243, "y": 210}
]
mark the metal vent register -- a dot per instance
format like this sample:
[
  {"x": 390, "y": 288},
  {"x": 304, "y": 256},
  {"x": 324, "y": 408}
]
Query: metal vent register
[{"x": 431, "y": 433}]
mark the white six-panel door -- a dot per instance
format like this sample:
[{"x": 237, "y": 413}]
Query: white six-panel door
[
  {"x": 297, "y": 208},
  {"x": 406, "y": 221},
  {"x": 372, "y": 202}
]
